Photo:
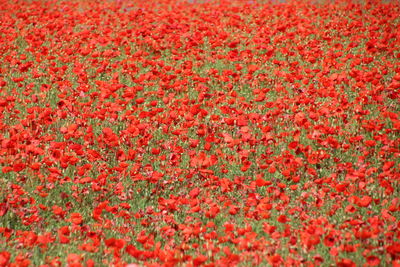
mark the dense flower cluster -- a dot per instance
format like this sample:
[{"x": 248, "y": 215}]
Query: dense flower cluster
[{"x": 199, "y": 133}]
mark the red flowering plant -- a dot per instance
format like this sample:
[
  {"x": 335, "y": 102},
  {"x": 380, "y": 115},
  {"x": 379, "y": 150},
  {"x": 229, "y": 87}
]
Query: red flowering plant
[{"x": 191, "y": 133}]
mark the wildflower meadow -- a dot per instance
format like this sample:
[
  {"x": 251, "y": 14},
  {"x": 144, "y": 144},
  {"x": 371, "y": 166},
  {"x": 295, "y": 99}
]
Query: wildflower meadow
[{"x": 199, "y": 133}]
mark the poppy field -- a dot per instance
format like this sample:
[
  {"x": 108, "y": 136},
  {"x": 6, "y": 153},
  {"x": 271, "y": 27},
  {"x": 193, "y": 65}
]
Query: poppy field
[{"x": 199, "y": 133}]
